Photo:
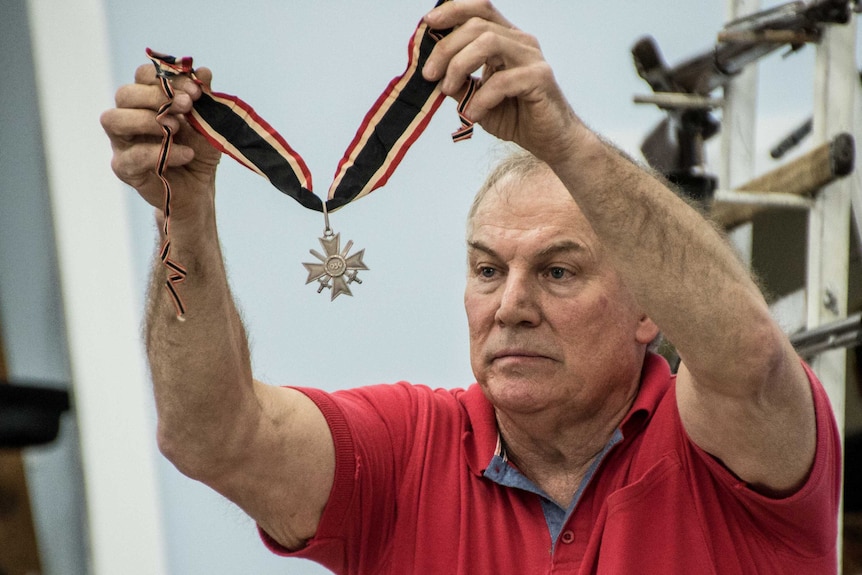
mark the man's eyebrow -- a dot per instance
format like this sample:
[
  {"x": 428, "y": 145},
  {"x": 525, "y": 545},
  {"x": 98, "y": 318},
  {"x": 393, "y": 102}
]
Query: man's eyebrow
[
  {"x": 562, "y": 246},
  {"x": 479, "y": 246},
  {"x": 553, "y": 249}
]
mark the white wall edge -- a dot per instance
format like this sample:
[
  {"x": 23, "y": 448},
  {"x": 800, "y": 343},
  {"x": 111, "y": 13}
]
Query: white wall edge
[{"x": 111, "y": 389}]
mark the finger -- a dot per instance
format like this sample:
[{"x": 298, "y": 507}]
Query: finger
[
  {"x": 490, "y": 50},
  {"x": 452, "y": 14},
  {"x": 193, "y": 86},
  {"x": 514, "y": 83},
  {"x": 128, "y": 124},
  {"x": 151, "y": 97},
  {"x": 474, "y": 30},
  {"x": 188, "y": 85},
  {"x": 145, "y": 74},
  {"x": 134, "y": 164},
  {"x": 205, "y": 76}
]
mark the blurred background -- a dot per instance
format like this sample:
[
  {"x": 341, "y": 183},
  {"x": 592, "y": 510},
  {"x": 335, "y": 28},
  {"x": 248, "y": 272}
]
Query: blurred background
[{"x": 76, "y": 246}]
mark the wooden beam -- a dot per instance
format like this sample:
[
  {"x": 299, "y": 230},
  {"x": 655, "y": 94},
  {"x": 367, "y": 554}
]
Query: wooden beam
[
  {"x": 19, "y": 551},
  {"x": 804, "y": 176}
]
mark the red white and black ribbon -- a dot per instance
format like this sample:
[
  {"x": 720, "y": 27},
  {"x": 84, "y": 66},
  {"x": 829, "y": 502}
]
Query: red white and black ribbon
[
  {"x": 394, "y": 122},
  {"x": 176, "y": 272}
]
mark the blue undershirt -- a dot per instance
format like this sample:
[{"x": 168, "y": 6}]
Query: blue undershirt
[{"x": 501, "y": 472}]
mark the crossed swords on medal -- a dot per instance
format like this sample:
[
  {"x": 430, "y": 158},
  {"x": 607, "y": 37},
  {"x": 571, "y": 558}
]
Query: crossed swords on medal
[{"x": 337, "y": 270}]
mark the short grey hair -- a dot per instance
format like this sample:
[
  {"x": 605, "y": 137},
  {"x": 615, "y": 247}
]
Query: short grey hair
[{"x": 519, "y": 163}]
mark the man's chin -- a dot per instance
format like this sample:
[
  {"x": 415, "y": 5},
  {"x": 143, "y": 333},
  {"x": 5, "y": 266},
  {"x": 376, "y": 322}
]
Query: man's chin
[{"x": 516, "y": 394}]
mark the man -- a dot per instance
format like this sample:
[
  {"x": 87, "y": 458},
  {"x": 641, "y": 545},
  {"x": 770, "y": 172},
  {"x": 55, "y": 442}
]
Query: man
[{"x": 577, "y": 451}]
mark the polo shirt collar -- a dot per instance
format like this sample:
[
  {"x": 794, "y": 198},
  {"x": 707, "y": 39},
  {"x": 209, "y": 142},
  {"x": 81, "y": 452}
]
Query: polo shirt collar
[
  {"x": 655, "y": 382},
  {"x": 480, "y": 440}
]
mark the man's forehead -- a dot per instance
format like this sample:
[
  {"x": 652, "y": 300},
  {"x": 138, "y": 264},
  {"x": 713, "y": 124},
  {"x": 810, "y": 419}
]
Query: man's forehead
[
  {"x": 533, "y": 214},
  {"x": 529, "y": 209},
  {"x": 528, "y": 193}
]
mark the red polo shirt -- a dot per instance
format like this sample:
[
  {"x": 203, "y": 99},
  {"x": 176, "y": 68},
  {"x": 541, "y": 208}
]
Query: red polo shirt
[{"x": 411, "y": 496}]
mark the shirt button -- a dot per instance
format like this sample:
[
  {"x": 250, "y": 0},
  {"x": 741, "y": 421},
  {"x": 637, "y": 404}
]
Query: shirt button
[{"x": 567, "y": 537}]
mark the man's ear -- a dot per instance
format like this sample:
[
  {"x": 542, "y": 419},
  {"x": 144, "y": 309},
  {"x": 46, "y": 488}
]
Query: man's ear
[{"x": 646, "y": 331}]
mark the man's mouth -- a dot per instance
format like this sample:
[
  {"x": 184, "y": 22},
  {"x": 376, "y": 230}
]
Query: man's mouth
[{"x": 516, "y": 354}]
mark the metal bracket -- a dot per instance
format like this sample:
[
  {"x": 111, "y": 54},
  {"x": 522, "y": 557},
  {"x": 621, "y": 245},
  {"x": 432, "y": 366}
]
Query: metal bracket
[
  {"x": 835, "y": 335},
  {"x": 792, "y": 37}
]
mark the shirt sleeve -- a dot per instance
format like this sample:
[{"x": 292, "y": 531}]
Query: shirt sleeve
[
  {"x": 805, "y": 521},
  {"x": 372, "y": 436}
]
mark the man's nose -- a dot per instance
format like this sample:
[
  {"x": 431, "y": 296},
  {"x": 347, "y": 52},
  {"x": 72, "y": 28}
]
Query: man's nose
[{"x": 519, "y": 303}]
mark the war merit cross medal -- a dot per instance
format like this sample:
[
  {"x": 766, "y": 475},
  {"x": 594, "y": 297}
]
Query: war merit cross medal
[{"x": 337, "y": 269}]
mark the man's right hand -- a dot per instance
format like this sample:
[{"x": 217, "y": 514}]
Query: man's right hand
[
  {"x": 136, "y": 139},
  {"x": 267, "y": 449}
]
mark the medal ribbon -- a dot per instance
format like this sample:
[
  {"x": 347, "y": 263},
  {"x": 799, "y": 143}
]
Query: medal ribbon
[
  {"x": 176, "y": 272},
  {"x": 394, "y": 122}
]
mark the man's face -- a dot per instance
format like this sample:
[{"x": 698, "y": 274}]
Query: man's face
[{"x": 551, "y": 324}]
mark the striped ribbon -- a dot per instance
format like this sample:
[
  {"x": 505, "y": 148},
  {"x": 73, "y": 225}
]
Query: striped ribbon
[
  {"x": 176, "y": 272},
  {"x": 391, "y": 126}
]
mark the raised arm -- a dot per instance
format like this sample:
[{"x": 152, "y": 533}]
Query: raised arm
[
  {"x": 267, "y": 449},
  {"x": 742, "y": 393}
]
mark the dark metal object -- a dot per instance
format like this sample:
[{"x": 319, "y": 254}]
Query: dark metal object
[
  {"x": 675, "y": 146},
  {"x": 844, "y": 333},
  {"x": 716, "y": 67},
  {"x": 30, "y": 415},
  {"x": 792, "y": 139}
]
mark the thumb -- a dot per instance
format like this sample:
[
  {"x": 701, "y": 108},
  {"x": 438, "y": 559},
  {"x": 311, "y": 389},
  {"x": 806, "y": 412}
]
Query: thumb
[{"x": 204, "y": 76}]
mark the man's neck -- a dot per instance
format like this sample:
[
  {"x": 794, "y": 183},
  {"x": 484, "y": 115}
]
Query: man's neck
[{"x": 556, "y": 453}]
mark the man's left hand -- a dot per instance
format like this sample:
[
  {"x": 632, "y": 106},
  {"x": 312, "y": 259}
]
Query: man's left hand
[{"x": 519, "y": 99}]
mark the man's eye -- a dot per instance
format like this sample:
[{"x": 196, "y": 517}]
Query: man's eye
[
  {"x": 558, "y": 273},
  {"x": 487, "y": 272}
]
